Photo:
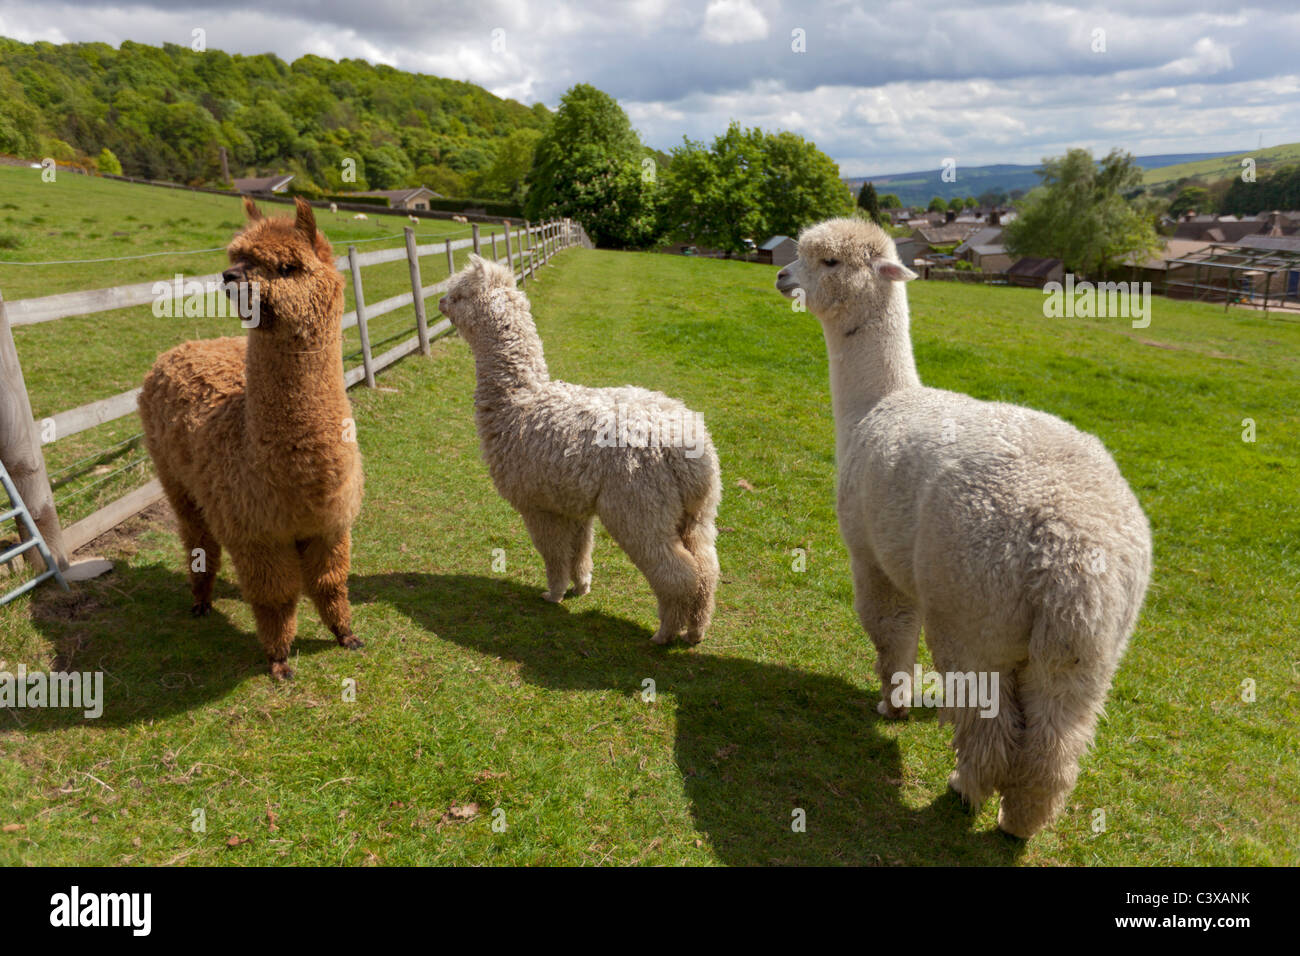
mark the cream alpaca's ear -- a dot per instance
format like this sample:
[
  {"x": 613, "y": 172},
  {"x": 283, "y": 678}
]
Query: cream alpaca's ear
[{"x": 891, "y": 270}]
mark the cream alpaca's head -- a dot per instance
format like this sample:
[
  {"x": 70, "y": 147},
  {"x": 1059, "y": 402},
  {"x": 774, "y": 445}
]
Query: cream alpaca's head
[
  {"x": 845, "y": 266},
  {"x": 483, "y": 303},
  {"x": 286, "y": 267}
]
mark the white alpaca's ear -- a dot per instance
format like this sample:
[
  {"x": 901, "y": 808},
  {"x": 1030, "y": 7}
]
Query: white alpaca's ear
[
  {"x": 891, "y": 270},
  {"x": 476, "y": 261}
]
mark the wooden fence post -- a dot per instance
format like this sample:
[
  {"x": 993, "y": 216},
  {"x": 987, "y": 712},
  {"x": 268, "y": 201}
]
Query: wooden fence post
[
  {"x": 510, "y": 256},
  {"x": 20, "y": 450},
  {"x": 421, "y": 322},
  {"x": 478, "y": 251},
  {"x": 494, "y": 247},
  {"x": 361, "y": 316},
  {"x": 523, "y": 257},
  {"x": 451, "y": 262}
]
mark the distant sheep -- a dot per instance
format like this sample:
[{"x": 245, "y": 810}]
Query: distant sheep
[
  {"x": 334, "y": 208},
  {"x": 1009, "y": 534},
  {"x": 414, "y": 220},
  {"x": 563, "y": 454},
  {"x": 360, "y": 215}
]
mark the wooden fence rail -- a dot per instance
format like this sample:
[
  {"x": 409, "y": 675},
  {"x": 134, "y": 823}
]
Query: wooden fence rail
[{"x": 21, "y": 437}]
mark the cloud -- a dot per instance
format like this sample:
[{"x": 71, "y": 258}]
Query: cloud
[
  {"x": 734, "y": 21},
  {"x": 881, "y": 88}
]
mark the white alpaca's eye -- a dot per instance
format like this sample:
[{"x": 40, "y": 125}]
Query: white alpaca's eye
[{"x": 830, "y": 262}]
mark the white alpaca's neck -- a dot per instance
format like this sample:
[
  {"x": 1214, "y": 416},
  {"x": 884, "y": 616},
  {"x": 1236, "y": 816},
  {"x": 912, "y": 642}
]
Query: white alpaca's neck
[
  {"x": 870, "y": 353},
  {"x": 511, "y": 360}
]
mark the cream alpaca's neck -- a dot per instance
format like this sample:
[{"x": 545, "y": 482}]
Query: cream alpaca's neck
[
  {"x": 511, "y": 360},
  {"x": 295, "y": 397},
  {"x": 871, "y": 362}
]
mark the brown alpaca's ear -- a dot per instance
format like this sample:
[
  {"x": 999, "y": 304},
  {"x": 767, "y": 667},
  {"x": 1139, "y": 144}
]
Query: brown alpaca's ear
[
  {"x": 306, "y": 221},
  {"x": 250, "y": 209}
]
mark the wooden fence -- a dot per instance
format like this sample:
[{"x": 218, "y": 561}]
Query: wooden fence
[{"x": 525, "y": 250}]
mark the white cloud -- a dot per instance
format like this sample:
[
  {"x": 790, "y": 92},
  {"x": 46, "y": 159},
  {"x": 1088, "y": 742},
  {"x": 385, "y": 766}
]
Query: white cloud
[{"x": 734, "y": 21}]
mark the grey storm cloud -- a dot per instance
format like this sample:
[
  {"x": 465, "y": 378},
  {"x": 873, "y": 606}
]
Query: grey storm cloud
[{"x": 880, "y": 84}]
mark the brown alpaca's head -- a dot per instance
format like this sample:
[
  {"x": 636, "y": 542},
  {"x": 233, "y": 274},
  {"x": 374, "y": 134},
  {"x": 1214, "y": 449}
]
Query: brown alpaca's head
[
  {"x": 286, "y": 267},
  {"x": 844, "y": 266},
  {"x": 483, "y": 303}
]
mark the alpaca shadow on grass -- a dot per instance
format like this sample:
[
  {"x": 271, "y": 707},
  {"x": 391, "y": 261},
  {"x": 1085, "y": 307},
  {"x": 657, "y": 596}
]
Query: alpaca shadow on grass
[
  {"x": 755, "y": 742},
  {"x": 134, "y": 625}
]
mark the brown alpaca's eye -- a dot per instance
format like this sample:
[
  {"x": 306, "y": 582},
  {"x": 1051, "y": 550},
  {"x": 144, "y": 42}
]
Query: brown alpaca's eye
[
  {"x": 288, "y": 270},
  {"x": 830, "y": 262}
]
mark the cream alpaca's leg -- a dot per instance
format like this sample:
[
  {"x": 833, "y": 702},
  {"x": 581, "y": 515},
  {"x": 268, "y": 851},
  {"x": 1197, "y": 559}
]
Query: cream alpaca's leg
[
  {"x": 271, "y": 581},
  {"x": 894, "y": 627},
  {"x": 660, "y": 555},
  {"x": 202, "y": 550},
  {"x": 985, "y": 743},
  {"x": 554, "y": 536},
  {"x": 325, "y": 564},
  {"x": 581, "y": 562},
  {"x": 1060, "y": 713}
]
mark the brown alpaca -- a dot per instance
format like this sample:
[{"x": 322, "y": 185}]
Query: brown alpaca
[{"x": 253, "y": 438}]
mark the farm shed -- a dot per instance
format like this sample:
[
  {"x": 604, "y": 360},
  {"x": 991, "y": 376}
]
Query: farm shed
[
  {"x": 778, "y": 251},
  {"x": 1258, "y": 269},
  {"x": 264, "y": 184},
  {"x": 1030, "y": 271}
]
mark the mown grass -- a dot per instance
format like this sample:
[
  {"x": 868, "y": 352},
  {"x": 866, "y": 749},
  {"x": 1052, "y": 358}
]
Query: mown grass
[{"x": 473, "y": 691}]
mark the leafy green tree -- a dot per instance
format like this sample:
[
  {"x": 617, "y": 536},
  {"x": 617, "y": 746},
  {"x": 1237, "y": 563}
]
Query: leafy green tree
[
  {"x": 1191, "y": 197},
  {"x": 869, "y": 202},
  {"x": 588, "y": 166},
  {"x": 1079, "y": 214},
  {"x": 801, "y": 185},
  {"x": 507, "y": 177},
  {"x": 956, "y": 205},
  {"x": 890, "y": 201},
  {"x": 937, "y": 205},
  {"x": 108, "y": 163}
]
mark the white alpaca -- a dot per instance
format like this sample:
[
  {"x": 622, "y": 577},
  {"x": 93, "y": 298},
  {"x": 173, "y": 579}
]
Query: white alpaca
[
  {"x": 564, "y": 454},
  {"x": 1008, "y": 533}
]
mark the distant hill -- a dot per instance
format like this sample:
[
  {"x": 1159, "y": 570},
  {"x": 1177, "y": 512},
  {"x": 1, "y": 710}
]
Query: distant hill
[
  {"x": 918, "y": 188},
  {"x": 164, "y": 112},
  {"x": 1223, "y": 165}
]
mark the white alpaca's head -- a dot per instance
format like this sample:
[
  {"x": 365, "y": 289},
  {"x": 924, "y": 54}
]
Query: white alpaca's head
[
  {"x": 845, "y": 267},
  {"x": 484, "y": 305}
]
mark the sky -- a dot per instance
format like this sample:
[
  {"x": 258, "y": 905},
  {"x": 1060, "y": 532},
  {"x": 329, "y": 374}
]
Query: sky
[{"x": 880, "y": 87}]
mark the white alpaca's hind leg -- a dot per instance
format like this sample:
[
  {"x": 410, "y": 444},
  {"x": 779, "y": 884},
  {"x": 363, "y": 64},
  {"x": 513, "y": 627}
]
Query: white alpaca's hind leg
[{"x": 581, "y": 562}]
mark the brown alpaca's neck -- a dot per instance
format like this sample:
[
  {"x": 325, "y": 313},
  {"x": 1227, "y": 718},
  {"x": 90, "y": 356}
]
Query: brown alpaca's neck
[
  {"x": 870, "y": 354},
  {"x": 295, "y": 399}
]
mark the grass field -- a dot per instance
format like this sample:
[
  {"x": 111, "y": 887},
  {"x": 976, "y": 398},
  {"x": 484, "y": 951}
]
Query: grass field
[{"x": 475, "y": 696}]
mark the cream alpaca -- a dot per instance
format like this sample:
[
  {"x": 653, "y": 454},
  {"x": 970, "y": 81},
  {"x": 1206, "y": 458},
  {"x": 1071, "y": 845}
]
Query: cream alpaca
[
  {"x": 554, "y": 452},
  {"x": 1008, "y": 533}
]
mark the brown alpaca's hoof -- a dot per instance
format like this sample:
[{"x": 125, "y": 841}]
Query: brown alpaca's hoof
[
  {"x": 281, "y": 671},
  {"x": 200, "y": 609},
  {"x": 350, "y": 641}
]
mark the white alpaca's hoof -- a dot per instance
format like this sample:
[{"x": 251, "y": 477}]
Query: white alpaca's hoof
[
  {"x": 548, "y": 596},
  {"x": 661, "y": 639},
  {"x": 581, "y": 588},
  {"x": 885, "y": 709}
]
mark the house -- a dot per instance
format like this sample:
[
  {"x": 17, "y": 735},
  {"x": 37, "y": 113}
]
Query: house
[
  {"x": 1029, "y": 271},
  {"x": 947, "y": 234},
  {"x": 909, "y": 250},
  {"x": 984, "y": 250},
  {"x": 264, "y": 184},
  {"x": 778, "y": 251},
  {"x": 415, "y": 198}
]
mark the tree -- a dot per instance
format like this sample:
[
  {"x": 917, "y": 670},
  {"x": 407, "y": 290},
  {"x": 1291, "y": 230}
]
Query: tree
[
  {"x": 750, "y": 185},
  {"x": 1078, "y": 214},
  {"x": 869, "y": 202},
  {"x": 108, "y": 163},
  {"x": 937, "y": 205},
  {"x": 890, "y": 201},
  {"x": 1190, "y": 198},
  {"x": 507, "y": 177},
  {"x": 588, "y": 166}
]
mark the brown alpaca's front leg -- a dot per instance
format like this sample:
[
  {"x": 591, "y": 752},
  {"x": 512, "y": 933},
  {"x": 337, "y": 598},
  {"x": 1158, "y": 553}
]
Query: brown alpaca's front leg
[
  {"x": 202, "y": 551},
  {"x": 325, "y": 564},
  {"x": 271, "y": 582}
]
